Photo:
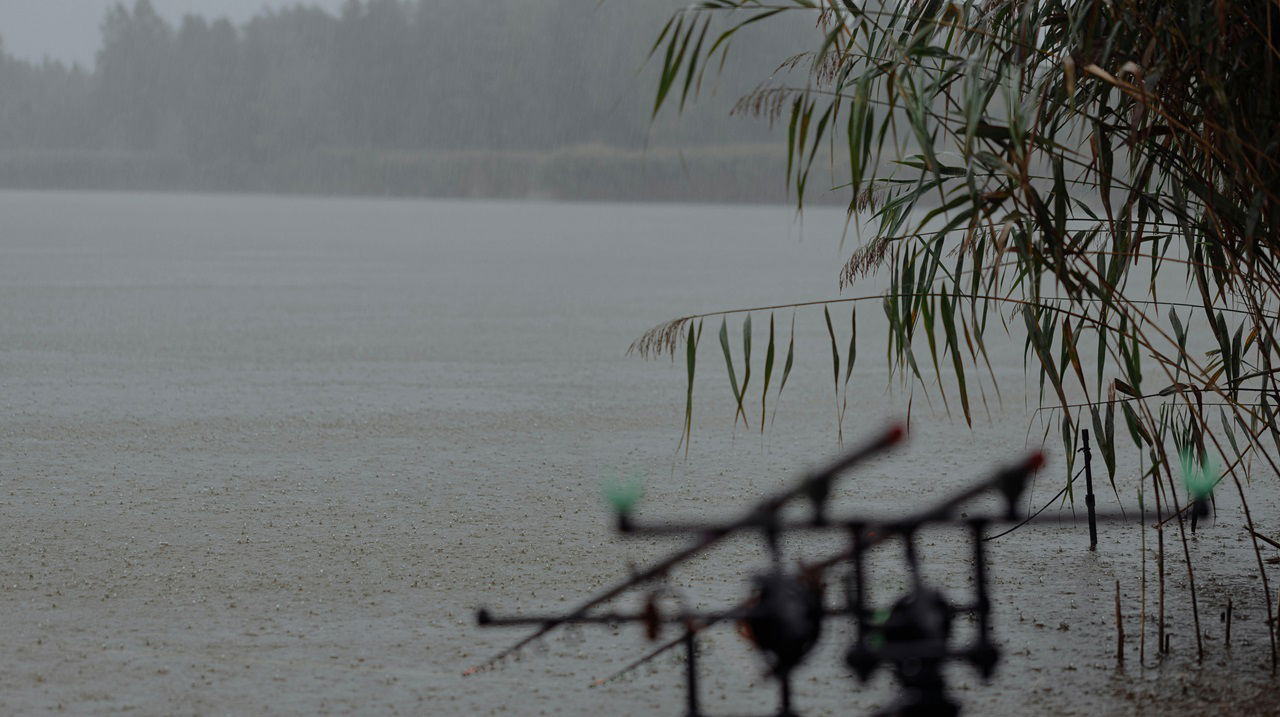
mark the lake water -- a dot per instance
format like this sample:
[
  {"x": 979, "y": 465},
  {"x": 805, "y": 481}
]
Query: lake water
[{"x": 267, "y": 455}]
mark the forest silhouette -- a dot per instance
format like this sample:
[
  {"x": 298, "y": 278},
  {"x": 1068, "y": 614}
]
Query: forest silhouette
[{"x": 494, "y": 98}]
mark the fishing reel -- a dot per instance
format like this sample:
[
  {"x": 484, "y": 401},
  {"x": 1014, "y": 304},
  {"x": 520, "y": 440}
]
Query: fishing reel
[
  {"x": 914, "y": 636},
  {"x": 784, "y": 619},
  {"x": 911, "y": 636}
]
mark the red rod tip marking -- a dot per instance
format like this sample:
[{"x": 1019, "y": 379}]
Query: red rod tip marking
[
  {"x": 894, "y": 435},
  {"x": 1035, "y": 461}
]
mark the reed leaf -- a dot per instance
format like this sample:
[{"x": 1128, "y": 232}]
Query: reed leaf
[
  {"x": 768, "y": 374},
  {"x": 787, "y": 364},
  {"x": 733, "y": 375}
]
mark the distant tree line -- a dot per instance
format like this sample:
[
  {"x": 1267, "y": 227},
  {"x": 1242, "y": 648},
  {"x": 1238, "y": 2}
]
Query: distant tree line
[{"x": 260, "y": 105}]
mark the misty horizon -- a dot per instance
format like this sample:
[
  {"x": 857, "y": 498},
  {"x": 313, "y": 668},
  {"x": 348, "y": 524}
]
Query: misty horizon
[
  {"x": 382, "y": 97},
  {"x": 69, "y": 31}
]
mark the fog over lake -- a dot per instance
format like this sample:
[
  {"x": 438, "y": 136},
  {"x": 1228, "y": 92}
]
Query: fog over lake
[{"x": 69, "y": 30}]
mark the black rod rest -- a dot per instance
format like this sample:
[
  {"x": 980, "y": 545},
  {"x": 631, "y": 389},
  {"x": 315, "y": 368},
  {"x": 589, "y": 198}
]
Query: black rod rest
[{"x": 785, "y": 612}]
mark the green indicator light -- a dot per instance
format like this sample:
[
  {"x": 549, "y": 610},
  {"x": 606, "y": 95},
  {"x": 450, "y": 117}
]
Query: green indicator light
[
  {"x": 1199, "y": 476},
  {"x": 622, "y": 494}
]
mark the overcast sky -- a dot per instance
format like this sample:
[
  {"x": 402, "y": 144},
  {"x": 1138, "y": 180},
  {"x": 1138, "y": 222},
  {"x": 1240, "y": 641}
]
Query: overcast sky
[{"x": 68, "y": 29}]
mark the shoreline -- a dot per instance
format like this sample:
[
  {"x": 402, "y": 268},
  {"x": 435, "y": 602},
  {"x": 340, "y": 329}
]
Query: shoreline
[{"x": 729, "y": 174}]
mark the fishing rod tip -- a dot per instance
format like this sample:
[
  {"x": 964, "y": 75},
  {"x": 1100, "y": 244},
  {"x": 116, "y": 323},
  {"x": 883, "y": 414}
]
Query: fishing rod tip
[
  {"x": 1035, "y": 462},
  {"x": 895, "y": 434}
]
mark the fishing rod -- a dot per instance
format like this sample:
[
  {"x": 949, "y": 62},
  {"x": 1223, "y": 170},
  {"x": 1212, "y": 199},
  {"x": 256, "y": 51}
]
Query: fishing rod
[
  {"x": 866, "y": 533},
  {"x": 871, "y": 537},
  {"x": 816, "y": 486},
  {"x": 1010, "y": 481},
  {"x": 785, "y": 614}
]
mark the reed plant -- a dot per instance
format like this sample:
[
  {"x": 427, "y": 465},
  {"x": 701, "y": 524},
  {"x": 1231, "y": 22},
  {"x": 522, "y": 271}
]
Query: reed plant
[{"x": 1030, "y": 170}]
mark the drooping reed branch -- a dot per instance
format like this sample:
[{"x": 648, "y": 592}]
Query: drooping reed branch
[{"x": 1056, "y": 158}]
